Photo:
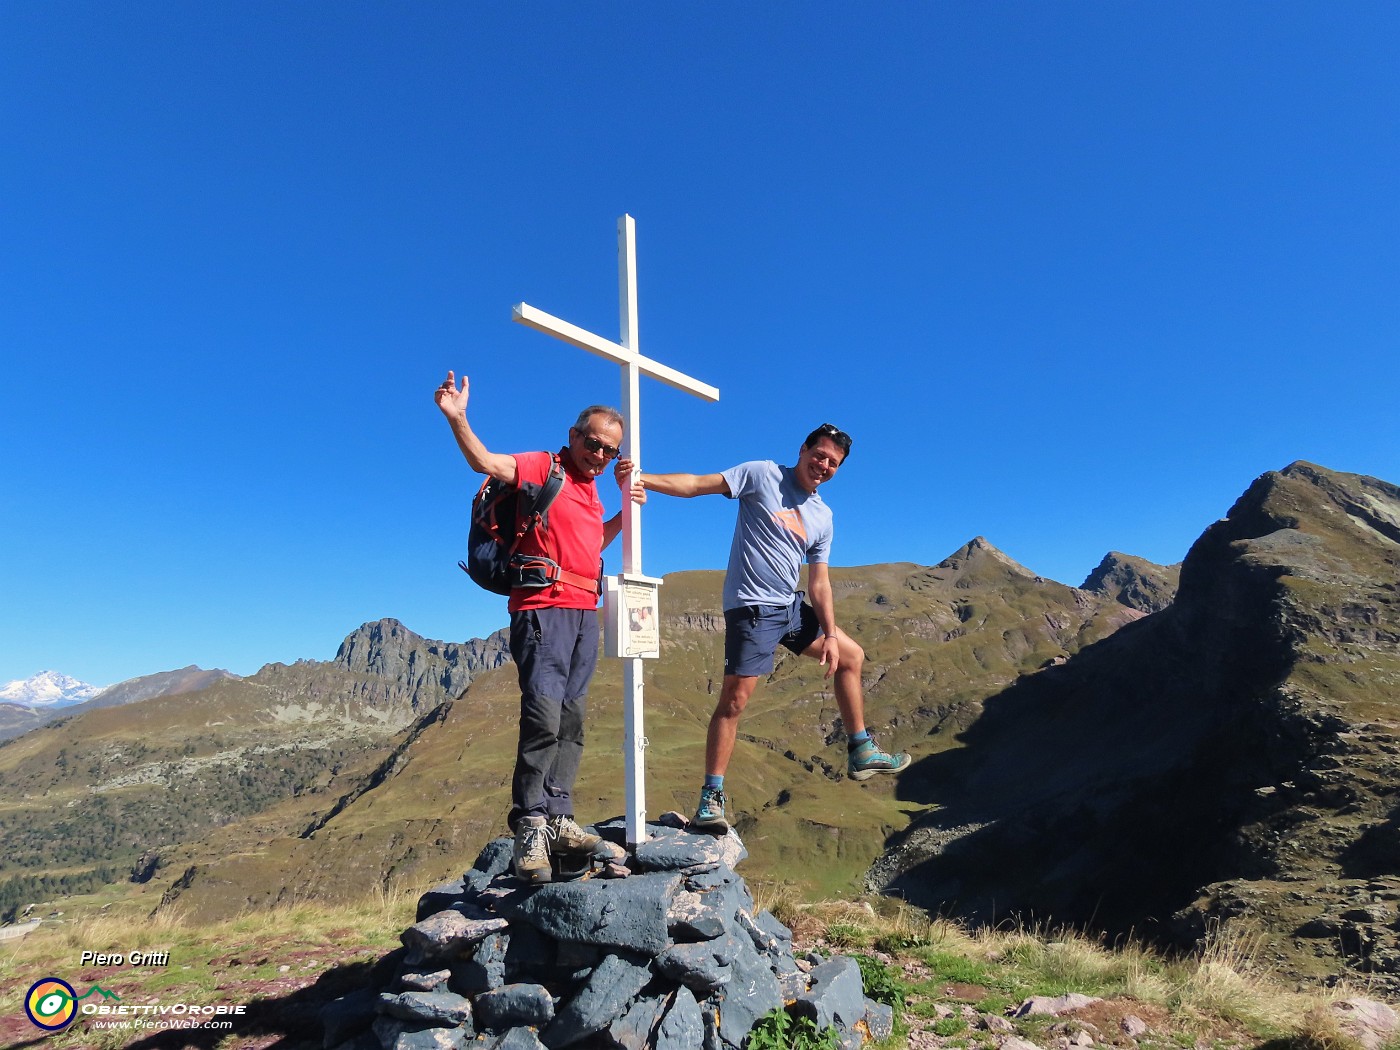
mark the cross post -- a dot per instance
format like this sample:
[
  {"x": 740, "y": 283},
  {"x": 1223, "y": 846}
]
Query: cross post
[{"x": 627, "y": 353}]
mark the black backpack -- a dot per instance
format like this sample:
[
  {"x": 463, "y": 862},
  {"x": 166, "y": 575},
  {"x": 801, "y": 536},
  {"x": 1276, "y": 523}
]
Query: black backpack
[{"x": 502, "y": 515}]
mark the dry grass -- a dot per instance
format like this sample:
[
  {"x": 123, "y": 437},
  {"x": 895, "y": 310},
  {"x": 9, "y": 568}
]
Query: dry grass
[{"x": 1224, "y": 988}]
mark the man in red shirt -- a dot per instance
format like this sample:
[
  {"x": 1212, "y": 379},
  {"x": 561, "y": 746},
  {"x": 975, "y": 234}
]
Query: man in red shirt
[{"x": 554, "y": 628}]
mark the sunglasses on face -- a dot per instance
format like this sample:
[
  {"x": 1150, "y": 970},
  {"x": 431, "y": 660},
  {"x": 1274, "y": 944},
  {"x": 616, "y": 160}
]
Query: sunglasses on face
[{"x": 594, "y": 445}]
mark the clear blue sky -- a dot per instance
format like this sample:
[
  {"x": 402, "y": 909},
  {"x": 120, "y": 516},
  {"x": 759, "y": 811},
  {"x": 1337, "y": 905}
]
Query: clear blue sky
[{"x": 1072, "y": 274}]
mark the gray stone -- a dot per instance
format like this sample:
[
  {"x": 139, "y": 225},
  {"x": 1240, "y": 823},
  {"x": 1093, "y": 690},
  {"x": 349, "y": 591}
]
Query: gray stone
[
  {"x": 997, "y": 1024},
  {"x": 513, "y": 1006},
  {"x": 709, "y": 1019},
  {"x": 762, "y": 939},
  {"x": 440, "y": 898},
  {"x": 515, "y": 1039},
  {"x": 771, "y": 926},
  {"x": 682, "y": 1028},
  {"x": 494, "y": 858},
  {"x": 529, "y": 952},
  {"x": 1015, "y": 1042},
  {"x": 432, "y": 1039},
  {"x": 447, "y": 934},
  {"x": 697, "y": 966},
  {"x": 415, "y": 981},
  {"x": 633, "y": 1030},
  {"x": 486, "y": 969},
  {"x": 598, "y": 1003},
  {"x": 793, "y": 985},
  {"x": 571, "y": 955},
  {"x": 626, "y": 913},
  {"x": 750, "y": 993},
  {"x": 677, "y": 850},
  {"x": 435, "y": 1008},
  {"x": 710, "y": 880},
  {"x": 473, "y": 882},
  {"x": 1370, "y": 1023},
  {"x": 837, "y": 996},
  {"x": 348, "y": 1016},
  {"x": 694, "y": 918},
  {"x": 388, "y": 1029},
  {"x": 1042, "y": 1005},
  {"x": 1133, "y": 1026},
  {"x": 879, "y": 1019},
  {"x": 536, "y": 957}
]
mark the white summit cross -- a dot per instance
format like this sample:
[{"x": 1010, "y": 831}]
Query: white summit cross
[{"x": 627, "y": 353}]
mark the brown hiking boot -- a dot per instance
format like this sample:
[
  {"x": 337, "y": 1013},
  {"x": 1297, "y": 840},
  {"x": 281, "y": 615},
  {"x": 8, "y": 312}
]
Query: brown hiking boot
[
  {"x": 572, "y": 839},
  {"x": 530, "y": 859}
]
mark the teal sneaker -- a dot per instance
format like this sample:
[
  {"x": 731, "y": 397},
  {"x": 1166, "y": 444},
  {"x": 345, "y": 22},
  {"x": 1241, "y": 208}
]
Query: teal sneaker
[
  {"x": 709, "y": 815},
  {"x": 866, "y": 759}
]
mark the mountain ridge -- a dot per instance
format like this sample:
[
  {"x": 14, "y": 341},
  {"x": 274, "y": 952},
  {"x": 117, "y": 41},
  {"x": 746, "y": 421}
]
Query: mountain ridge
[{"x": 1231, "y": 756}]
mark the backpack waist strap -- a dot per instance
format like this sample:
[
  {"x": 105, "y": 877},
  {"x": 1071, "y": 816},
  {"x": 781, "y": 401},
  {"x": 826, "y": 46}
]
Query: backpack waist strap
[{"x": 533, "y": 572}]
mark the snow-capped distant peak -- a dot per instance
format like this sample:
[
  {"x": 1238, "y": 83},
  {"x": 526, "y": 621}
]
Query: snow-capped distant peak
[{"x": 48, "y": 689}]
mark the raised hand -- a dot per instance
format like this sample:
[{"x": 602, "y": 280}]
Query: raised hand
[{"x": 452, "y": 401}]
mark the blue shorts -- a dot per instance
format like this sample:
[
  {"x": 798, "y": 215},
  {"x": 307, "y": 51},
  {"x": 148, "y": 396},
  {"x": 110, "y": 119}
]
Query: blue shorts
[{"x": 752, "y": 634}]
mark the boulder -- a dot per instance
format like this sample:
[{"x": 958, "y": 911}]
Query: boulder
[
  {"x": 682, "y": 1028},
  {"x": 444, "y": 1009},
  {"x": 513, "y": 1006},
  {"x": 348, "y": 1016},
  {"x": 837, "y": 995},
  {"x": 446, "y": 934},
  {"x": 600, "y": 1002},
  {"x": 626, "y": 913}
]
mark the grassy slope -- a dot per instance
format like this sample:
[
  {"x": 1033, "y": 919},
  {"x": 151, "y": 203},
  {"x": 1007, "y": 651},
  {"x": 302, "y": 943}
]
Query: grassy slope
[
  {"x": 937, "y": 640},
  {"x": 282, "y": 964}
]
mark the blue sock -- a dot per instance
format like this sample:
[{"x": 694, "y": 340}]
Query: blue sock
[
  {"x": 856, "y": 739},
  {"x": 714, "y": 783}
]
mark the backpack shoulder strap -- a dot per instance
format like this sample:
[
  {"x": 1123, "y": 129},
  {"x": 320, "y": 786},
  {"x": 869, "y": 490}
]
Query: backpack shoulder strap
[
  {"x": 535, "y": 507},
  {"x": 549, "y": 491}
]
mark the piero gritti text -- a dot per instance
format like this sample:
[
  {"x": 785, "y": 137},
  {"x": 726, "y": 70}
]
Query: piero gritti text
[{"x": 125, "y": 959}]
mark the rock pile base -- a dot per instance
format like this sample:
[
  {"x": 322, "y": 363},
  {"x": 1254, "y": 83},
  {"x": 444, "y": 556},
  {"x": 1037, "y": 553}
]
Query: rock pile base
[{"x": 665, "y": 953}]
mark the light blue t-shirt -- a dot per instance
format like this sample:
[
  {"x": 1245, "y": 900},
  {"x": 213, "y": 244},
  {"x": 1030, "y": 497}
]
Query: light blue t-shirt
[{"x": 779, "y": 524}]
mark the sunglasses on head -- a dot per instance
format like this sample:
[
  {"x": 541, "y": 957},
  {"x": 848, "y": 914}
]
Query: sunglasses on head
[{"x": 594, "y": 445}]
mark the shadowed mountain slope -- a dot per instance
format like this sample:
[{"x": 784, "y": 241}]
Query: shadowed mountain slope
[{"x": 1231, "y": 758}]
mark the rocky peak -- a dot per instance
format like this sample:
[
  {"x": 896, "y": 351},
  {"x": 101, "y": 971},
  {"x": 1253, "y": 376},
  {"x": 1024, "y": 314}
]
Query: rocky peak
[
  {"x": 978, "y": 561},
  {"x": 1134, "y": 582},
  {"x": 420, "y": 670}
]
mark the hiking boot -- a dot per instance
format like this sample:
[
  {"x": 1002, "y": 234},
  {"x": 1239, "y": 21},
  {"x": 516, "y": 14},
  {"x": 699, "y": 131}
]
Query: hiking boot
[
  {"x": 571, "y": 839},
  {"x": 866, "y": 759},
  {"x": 530, "y": 859},
  {"x": 709, "y": 815}
]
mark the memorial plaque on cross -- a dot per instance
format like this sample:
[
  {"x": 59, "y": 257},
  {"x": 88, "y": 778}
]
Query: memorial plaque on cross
[{"x": 627, "y": 353}]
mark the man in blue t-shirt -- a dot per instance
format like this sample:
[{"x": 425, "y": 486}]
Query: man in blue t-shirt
[{"x": 781, "y": 521}]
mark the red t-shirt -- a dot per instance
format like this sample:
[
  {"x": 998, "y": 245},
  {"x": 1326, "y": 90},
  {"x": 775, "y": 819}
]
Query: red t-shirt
[{"x": 573, "y": 538}]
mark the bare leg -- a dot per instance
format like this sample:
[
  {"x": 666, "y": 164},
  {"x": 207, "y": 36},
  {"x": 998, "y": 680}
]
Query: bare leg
[
  {"x": 724, "y": 723},
  {"x": 850, "y": 695}
]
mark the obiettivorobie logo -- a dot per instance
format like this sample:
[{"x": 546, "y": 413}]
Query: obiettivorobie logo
[{"x": 52, "y": 1003}]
